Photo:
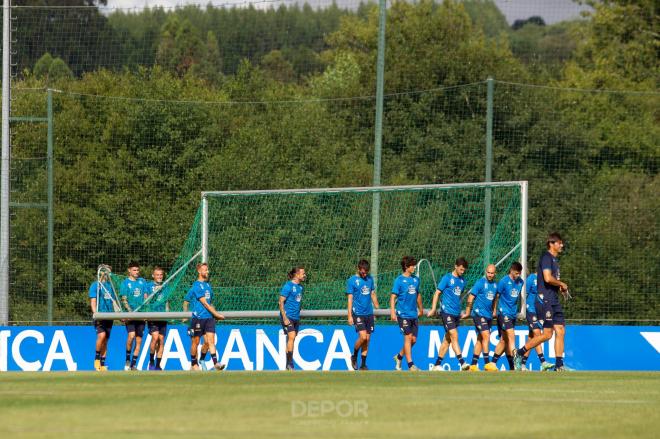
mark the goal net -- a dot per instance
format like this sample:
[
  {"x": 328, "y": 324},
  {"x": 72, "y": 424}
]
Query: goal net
[{"x": 251, "y": 239}]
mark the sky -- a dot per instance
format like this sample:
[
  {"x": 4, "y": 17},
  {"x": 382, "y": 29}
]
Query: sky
[{"x": 551, "y": 11}]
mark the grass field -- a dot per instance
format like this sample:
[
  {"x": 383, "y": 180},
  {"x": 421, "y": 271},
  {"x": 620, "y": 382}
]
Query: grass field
[{"x": 362, "y": 405}]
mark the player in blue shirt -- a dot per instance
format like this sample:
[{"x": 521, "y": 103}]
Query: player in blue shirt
[
  {"x": 289, "y": 303},
  {"x": 532, "y": 320},
  {"x": 204, "y": 317},
  {"x": 405, "y": 308},
  {"x": 362, "y": 300},
  {"x": 187, "y": 300},
  {"x": 133, "y": 292},
  {"x": 481, "y": 307},
  {"x": 451, "y": 287},
  {"x": 509, "y": 289},
  {"x": 157, "y": 328},
  {"x": 548, "y": 309},
  {"x": 102, "y": 298}
]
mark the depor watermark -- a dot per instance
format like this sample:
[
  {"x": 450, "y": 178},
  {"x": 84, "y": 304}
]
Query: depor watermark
[{"x": 320, "y": 408}]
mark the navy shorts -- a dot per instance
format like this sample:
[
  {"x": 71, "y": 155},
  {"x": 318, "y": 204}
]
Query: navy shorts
[
  {"x": 549, "y": 311},
  {"x": 449, "y": 321},
  {"x": 482, "y": 323},
  {"x": 293, "y": 325},
  {"x": 202, "y": 326},
  {"x": 159, "y": 326},
  {"x": 408, "y": 326},
  {"x": 136, "y": 326},
  {"x": 103, "y": 326},
  {"x": 505, "y": 323},
  {"x": 533, "y": 322},
  {"x": 364, "y": 323}
]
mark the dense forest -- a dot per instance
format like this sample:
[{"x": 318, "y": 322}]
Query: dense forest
[{"x": 152, "y": 106}]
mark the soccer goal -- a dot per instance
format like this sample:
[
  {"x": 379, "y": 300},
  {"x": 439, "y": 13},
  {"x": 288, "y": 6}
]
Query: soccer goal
[{"x": 251, "y": 239}]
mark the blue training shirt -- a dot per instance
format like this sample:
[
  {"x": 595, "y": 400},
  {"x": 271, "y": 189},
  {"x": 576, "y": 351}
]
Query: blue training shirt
[
  {"x": 134, "y": 291},
  {"x": 406, "y": 290},
  {"x": 198, "y": 290},
  {"x": 451, "y": 288},
  {"x": 104, "y": 291},
  {"x": 361, "y": 288},
  {"x": 509, "y": 291},
  {"x": 547, "y": 262},
  {"x": 484, "y": 293},
  {"x": 532, "y": 290},
  {"x": 159, "y": 300},
  {"x": 292, "y": 293}
]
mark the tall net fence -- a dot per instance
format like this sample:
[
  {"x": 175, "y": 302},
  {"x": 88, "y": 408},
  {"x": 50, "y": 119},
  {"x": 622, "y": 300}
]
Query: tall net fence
[{"x": 150, "y": 107}]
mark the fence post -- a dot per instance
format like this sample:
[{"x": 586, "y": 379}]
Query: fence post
[
  {"x": 378, "y": 137},
  {"x": 51, "y": 219},
  {"x": 489, "y": 169}
]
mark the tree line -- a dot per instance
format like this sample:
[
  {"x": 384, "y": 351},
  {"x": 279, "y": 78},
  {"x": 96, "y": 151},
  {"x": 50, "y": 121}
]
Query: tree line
[{"x": 136, "y": 141}]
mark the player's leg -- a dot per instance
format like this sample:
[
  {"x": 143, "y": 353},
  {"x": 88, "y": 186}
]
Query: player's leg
[
  {"x": 290, "y": 342},
  {"x": 107, "y": 327},
  {"x": 442, "y": 351},
  {"x": 361, "y": 329},
  {"x": 453, "y": 336},
  {"x": 369, "y": 329},
  {"x": 404, "y": 327},
  {"x": 130, "y": 338},
  {"x": 365, "y": 352},
  {"x": 407, "y": 347},
  {"x": 501, "y": 344},
  {"x": 545, "y": 321},
  {"x": 560, "y": 333},
  {"x": 510, "y": 344},
  {"x": 410, "y": 338},
  {"x": 476, "y": 353},
  {"x": 485, "y": 349},
  {"x": 194, "y": 342},
  {"x": 413, "y": 340},
  {"x": 100, "y": 341},
  {"x": 448, "y": 324},
  {"x": 531, "y": 325},
  {"x": 290, "y": 330},
  {"x": 139, "y": 332},
  {"x": 360, "y": 343},
  {"x": 104, "y": 347},
  {"x": 482, "y": 345},
  {"x": 162, "y": 331},
  {"x": 153, "y": 332},
  {"x": 209, "y": 340},
  {"x": 209, "y": 337}
]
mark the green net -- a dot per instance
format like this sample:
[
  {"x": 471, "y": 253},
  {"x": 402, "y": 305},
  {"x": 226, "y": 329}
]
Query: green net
[{"x": 254, "y": 239}]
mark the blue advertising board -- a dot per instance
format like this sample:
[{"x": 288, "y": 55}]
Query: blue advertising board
[{"x": 59, "y": 348}]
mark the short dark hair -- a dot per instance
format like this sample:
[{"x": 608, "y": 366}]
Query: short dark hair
[
  {"x": 295, "y": 270},
  {"x": 516, "y": 266},
  {"x": 363, "y": 264},
  {"x": 462, "y": 262},
  {"x": 133, "y": 264},
  {"x": 408, "y": 261},
  {"x": 553, "y": 237}
]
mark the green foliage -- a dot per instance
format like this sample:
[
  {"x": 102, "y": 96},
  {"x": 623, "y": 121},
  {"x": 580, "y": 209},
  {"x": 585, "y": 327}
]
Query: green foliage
[
  {"x": 618, "y": 49},
  {"x": 51, "y": 70},
  {"x": 486, "y": 15},
  {"x": 221, "y": 99}
]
